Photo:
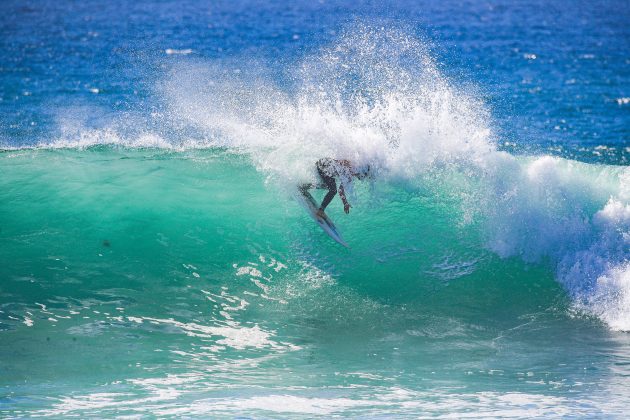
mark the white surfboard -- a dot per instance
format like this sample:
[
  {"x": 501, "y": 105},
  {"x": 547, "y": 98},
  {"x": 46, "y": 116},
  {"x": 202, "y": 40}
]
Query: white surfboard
[{"x": 308, "y": 202}]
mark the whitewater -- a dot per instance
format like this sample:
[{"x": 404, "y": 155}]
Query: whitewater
[{"x": 156, "y": 263}]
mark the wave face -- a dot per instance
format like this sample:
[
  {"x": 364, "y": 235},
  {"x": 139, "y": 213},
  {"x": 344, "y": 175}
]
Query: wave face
[
  {"x": 120, "y": 253},
  {"x": 173, "y": 262},
  {"x": 570, "y": 218}
]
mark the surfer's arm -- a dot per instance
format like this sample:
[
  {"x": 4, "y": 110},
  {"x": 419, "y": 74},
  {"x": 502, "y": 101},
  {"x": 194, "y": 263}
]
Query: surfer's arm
[{"x": 342, "y": 195}]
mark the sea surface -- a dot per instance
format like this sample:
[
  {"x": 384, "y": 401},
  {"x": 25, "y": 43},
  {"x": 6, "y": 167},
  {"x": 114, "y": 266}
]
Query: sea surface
[{"x": 154, "y": 262}]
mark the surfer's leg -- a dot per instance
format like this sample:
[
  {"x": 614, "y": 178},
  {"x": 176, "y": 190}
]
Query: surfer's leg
[{"x": 331, "y": 185}]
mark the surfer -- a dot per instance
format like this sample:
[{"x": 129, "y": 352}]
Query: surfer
[{"x": 329, "y": 169}]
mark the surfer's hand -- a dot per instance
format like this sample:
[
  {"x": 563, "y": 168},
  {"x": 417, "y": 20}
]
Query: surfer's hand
[{"x": 346, "y": 208}]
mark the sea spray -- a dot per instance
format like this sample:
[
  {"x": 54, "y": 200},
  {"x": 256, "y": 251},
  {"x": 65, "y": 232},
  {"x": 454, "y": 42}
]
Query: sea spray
[{"x": 374, "y": 96}]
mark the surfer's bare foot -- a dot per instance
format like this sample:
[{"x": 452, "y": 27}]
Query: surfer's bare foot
[{"x": 320, "y": 213}]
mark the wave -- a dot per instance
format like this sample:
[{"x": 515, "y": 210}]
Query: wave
[{"x": 378, "y": 97}]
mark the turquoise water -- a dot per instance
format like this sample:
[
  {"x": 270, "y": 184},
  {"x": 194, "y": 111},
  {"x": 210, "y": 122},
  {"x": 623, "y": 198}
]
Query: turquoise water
[
  {"x": 154, "y": 261},
  {"x": 179, "y": 283}
]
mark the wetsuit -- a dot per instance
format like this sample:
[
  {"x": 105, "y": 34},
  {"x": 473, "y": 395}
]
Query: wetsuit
[
  {"x": 327, "y": 172},
  {"x": 328, "y": 169}
]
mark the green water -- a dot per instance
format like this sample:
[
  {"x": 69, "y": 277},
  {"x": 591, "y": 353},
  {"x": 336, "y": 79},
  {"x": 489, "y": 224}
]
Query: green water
[{"x": 146, "y": 281}]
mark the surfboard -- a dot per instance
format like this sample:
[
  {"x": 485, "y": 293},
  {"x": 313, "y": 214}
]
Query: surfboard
[{"x": 308, "y": 202}]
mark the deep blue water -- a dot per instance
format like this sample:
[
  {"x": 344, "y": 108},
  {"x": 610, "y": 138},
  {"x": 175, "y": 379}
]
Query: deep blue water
[{"x": 554, "y": 75}]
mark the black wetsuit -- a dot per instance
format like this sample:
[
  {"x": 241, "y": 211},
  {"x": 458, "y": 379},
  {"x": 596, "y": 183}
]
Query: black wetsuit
[{"x": 327, "y": 170}]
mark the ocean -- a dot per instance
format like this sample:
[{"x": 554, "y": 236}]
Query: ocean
[{"x": 154, "y": 262}]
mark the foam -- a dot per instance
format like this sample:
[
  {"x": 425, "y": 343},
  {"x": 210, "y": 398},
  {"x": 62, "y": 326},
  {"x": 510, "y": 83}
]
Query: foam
[
  {"x": 397, "y": 401},
  {"x": 572, "y": 214},
  {"x": 172, "y": 51},
  {"x": 234, "y": 336}
]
